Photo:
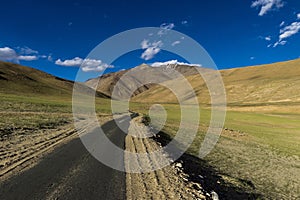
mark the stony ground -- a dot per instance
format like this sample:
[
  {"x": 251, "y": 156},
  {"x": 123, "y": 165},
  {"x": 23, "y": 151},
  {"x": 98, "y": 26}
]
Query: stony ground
[{"x": 169, "y": 182}]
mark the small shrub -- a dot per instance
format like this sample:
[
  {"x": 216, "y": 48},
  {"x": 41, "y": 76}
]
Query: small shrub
[{"x": 146, "y": 119}]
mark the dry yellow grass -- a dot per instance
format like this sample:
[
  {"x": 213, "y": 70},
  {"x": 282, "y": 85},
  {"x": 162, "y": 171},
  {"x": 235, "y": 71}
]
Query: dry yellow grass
[{"x": 259, "y": 86}]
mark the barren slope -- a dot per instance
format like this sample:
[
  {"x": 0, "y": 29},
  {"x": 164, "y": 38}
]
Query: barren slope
[
  {"x": 25, "y": 81},
  {"x": 106, "y": 82},
  {"x": 272, "y": 83}
]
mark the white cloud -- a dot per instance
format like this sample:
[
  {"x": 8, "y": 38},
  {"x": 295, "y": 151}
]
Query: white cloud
[
  {"x": 151, "y": 49},
  {"x": 150, "y": 53},
  {"x": 175, "y": 43},
  {"x": 164, "y": 28},
  {"x": 70, "y": 63},
  {"x": 94, "y": 65},
  {"x": 87, "y": 65},
  {"x": 49, "y": 58},
  {"x": 145, "y": 44},
  {"x": 184, "y": 22},
  {"x": 279, "y": 43},
  {"x": 289, "y": 30},
  {"x": 167, "y": 26},
  {"x": 268, "y": 38},
  {"x": 172, "y": 62},
  {"x": 267, "y": 5},
  {"x": 298, "y": 16},
  {"x": 282, "y": 23},
  {"x": 8, "y": 54},
  {"x": 27, "y": 58},
  {"x": 27, "y": 50}
]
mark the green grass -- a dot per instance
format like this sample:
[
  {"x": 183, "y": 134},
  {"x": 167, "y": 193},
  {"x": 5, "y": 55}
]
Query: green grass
[
  {"x": 24, "y": 115},
  {"x": 36, "y": 104},
  {"x": 280, "y": 132},
  {"x": 261, "y": 148}
]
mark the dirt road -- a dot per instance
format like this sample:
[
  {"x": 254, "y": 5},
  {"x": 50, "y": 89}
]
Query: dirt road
[
  {"x": 69, "y": 172},
  {"x": 166, "y": 183}
]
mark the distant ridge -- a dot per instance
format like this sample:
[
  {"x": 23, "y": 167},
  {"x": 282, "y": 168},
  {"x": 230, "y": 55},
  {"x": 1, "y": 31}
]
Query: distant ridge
[
  {"x": 267, "y": 84},
  {"x": 105, "y": 83}
]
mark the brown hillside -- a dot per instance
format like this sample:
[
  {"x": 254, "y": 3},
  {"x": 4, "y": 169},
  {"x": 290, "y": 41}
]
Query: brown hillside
[
  {"x": 272, "y": 83},
  {"x": 25, "y": 81},
  {"x": 107, "y": 82}
]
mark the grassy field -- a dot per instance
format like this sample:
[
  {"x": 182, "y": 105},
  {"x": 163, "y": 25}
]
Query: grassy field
[
  {"x": 259, "y": 148},
  {"x": 31, "y": 125},
  {"x": 25, "y": 114},
  {"x": 258, "y": 151}
]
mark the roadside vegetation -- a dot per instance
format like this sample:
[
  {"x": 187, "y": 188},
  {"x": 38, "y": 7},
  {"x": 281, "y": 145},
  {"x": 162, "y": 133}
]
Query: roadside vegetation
[
  {"x": 28, "y": 114},
  {"x": 257, "y": 151}
]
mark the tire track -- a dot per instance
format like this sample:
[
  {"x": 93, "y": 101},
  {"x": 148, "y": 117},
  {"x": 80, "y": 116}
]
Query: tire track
[
  {"x": 70, "y": 172},
  {"x": 165, "y": 183},
  {"x": 23, "y": 153},
  {"x": 133, "y": 180}
]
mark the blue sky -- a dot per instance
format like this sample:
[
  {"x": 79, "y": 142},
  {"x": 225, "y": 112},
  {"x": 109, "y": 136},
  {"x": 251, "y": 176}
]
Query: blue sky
[{"x": 56, "y": 36}]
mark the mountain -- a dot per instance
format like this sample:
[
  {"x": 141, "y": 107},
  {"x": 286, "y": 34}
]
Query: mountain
[
  {"x": 20, "y": 80},
  {"x": 139, "y": 74},
  {"x": 271, "y": 83}
]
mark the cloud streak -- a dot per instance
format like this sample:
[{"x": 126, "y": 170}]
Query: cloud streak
[
  {"x": 27, "y": 58},
  {"x": 184, "y": 22},
  {"x": 27, "y": 50},
  {"x": 268, "y": 38},
  {"x": 9, "y": 54},
  {"x": 165, "y": 28},
  {"x": 150, "y": 49},
  {"x": 289, "y": 30},
  {"x": 87, "y": 65},
  {"x": 175, "y": 43},
  {"x": 266, "y": 5},
  {"x": 75, "y": 62},
  {"x": 282, "y": 43}
]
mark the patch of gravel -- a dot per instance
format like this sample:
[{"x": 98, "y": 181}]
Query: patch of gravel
[{"x": 167, "y": 183}]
